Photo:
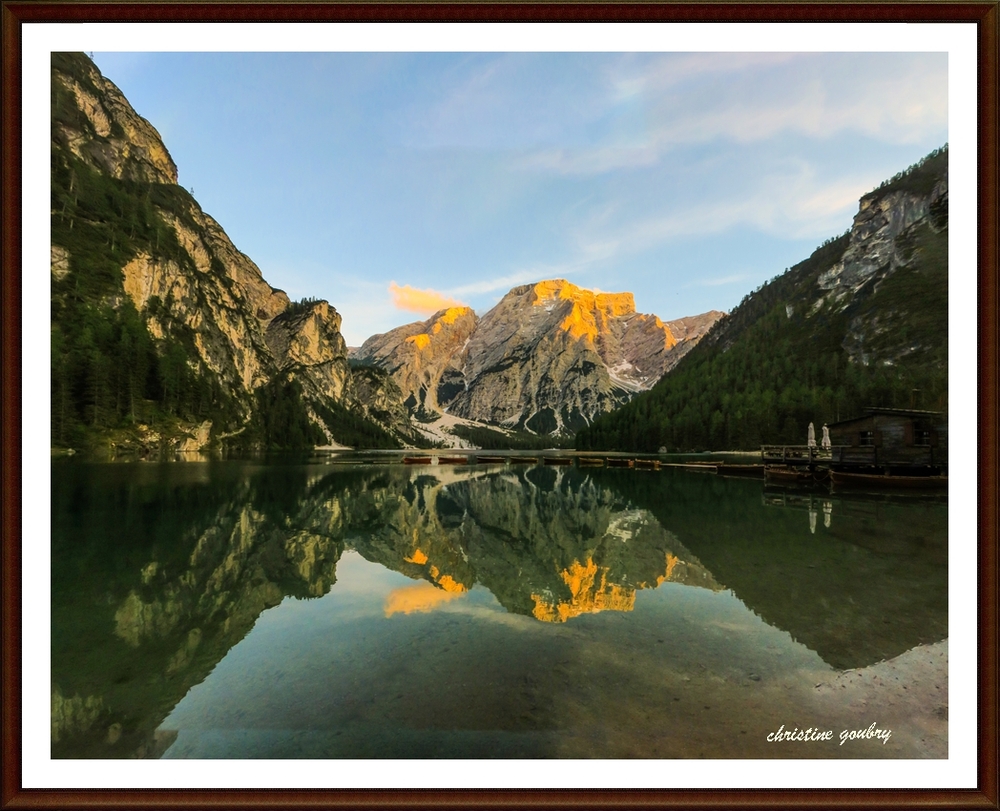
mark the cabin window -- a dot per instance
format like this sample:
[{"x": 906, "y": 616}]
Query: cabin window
[
  {"x": 922, "y": 436},
  {"x": 866, "y": 438}
]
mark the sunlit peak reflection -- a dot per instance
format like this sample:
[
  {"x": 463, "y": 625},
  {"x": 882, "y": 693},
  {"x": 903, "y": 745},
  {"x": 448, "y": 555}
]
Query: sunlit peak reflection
[
  {"x": 447, "y": 582},
  {"x": 588, "y": 595},
  {"x": 672, "y": 561}
]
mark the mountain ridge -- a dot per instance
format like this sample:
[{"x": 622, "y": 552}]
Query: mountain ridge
[{"x": 547, "y": 358}]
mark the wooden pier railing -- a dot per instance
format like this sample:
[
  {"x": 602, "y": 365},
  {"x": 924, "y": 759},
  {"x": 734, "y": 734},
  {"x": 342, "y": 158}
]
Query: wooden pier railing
[
  {"x": 851, "y": 456},
  {"x": 793, "y": 455}
]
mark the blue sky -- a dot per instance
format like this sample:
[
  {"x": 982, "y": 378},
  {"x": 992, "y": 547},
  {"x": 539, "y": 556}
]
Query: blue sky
[{"x": 687, "y": 179}]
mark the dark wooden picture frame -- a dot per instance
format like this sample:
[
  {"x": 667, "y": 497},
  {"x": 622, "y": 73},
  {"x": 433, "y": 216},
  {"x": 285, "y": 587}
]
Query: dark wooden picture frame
[{"x": 985, "y": 16}]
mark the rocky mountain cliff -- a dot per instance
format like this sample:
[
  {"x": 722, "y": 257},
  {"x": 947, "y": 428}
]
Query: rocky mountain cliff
[
  {"x": 862, "y": 322},
  {"x": 425, "y": 358},
  {"x": 548, "y": 358},
  {"x": 164, "y": 333}
]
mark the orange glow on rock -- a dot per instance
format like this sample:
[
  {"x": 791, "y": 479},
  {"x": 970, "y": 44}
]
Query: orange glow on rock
[
  {"x": 590, "y": 311},
  {"x": 616, "y": 304},
  {"x": 452, "y": 314},
  {"x": 417, "y": 557},
  {"x": 580, "y": 323},
  {"x": 421, "y": 341}
]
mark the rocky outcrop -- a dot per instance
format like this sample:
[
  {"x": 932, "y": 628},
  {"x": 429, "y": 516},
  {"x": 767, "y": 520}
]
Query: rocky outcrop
[
  {"x": 875, "y": 249},
  {"x": 548, "y": 357},
  {"x": 191, "y": 286},
  {"x": 887, "y": 283},
  {"x": 425, "y": 358},
  {"x": 109, "y": 135},
  {"x": 379, "y": 399},
  {"x": 306, "y": 343}
]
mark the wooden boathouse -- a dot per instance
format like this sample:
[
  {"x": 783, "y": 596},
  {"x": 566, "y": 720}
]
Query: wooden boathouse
[{"x": 897, "y": 440}]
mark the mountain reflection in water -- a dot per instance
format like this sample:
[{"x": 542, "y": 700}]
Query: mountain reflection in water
[{"x": 159, "y": 570}]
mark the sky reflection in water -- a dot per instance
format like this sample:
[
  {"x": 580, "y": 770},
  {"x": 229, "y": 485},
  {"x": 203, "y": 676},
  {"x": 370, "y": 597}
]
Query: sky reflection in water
[{"x": 234, "y": 610}]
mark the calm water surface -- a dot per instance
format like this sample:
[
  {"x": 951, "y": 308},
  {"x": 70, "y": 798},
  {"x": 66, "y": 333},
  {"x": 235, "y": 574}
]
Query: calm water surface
[{"x": 361, "y": 608}]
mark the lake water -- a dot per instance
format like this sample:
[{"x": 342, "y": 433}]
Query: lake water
[{"x": 356, "y": 607}]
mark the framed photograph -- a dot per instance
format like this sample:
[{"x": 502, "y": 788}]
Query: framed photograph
[{"x": 440, "y": 396}]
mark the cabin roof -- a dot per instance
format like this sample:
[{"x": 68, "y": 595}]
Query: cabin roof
[{"x": 889, "y": 412}]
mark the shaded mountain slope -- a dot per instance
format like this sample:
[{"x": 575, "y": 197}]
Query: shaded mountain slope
[{"x": 862, "y": 322}]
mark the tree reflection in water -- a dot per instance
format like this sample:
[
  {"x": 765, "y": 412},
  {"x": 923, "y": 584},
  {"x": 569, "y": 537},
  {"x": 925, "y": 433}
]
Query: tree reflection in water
[{"x": 160, "y": 569}]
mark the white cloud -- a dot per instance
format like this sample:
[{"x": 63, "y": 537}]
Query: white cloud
[
  {"x": 594, "y": 161},
  {"x": 719, "y": 282},
  {"x": 792, "y": 203},
  {"x": 694, "y": 99}
]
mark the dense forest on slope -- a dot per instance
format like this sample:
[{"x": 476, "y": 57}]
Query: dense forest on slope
[
  {"x": 788, "y": 355},
  {"x": 489, "y": 440}
]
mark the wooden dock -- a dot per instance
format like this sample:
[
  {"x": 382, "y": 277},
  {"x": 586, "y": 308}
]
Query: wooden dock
[{"x": 793, "y": 455}]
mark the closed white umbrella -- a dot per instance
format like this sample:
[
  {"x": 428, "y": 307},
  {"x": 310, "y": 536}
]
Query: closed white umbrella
[
  {"x": 825, "y": 442},
  {"x": 812, "y": 436}
]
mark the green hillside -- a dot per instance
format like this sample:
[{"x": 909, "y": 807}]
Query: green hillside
[{"x": 788, "y": 355}]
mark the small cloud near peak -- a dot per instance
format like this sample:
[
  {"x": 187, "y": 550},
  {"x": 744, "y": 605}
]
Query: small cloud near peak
[{"x": 426, "y": 302}]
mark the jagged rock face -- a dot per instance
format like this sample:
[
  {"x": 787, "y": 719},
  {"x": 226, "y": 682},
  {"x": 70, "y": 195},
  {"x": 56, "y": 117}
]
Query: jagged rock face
[
  {"x": 202, "y": 289},
  {"x": 892, "y": 233},
  {"x": 218, "y": 311},
  {"x": 308, "y": 344},
  {"x": 380, "y": 399},
  {"x": 425, "y": 358},
  {"x": 874, "y": 248},
  {"x": 549, "y": 357},
  {"x": 120, "y": 142}
]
